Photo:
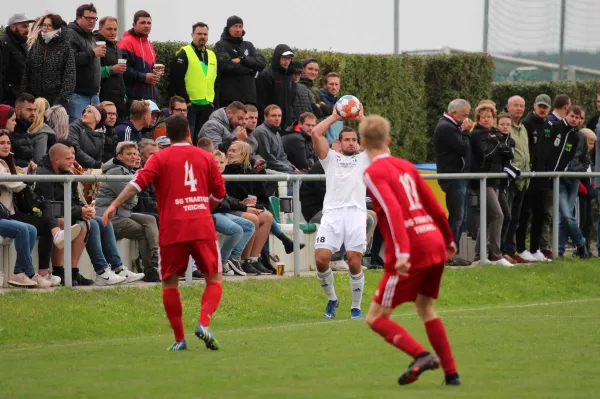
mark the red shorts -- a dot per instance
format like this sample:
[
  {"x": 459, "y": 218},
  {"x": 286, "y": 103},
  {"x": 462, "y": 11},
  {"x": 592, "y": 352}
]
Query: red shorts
[
  {"x": 174, "y": 258},
  {"x": 394, "y": 290}
]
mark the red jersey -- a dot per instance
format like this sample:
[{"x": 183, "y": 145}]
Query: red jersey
[
  {"x": 410, "y": 219},
  {"x": 184, "y": 178}
]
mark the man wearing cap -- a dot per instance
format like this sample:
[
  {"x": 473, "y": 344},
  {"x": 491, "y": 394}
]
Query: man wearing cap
[
  {"x": 13, "y": 54},
  {"x": 87, "y": 61},
  {"x": 194, "y": 77},
  {"x": 276, "y": 85},
  {"x": 534, "y": 124},
  {"x": 238, "y": 63}
]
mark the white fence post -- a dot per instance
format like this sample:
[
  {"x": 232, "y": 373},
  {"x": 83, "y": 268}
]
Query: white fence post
[
  {"x": 68, "y": 244},
  {"x": 296, "y": 221},
  {"x": 555, "y": 215},
  {"x": 482, "y": 221}
]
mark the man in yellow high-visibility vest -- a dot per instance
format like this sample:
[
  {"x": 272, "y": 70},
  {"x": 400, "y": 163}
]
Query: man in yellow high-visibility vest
[{"x": 194, "y": 77}]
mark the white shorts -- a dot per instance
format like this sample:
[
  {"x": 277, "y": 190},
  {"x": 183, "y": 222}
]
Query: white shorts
[{"x": 346, "y": 226}]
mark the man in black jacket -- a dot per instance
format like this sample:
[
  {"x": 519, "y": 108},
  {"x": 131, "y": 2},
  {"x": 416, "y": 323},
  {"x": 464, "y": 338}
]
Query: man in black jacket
[
  {"x": 113, "y": 65},
  {"x": 13, "y": 54},
  {"x": 276, "y": 85},
  {"x": 297, "y": 142},
  {"x": 453, "y": 155},
  {"x": 87, "y": 61},
  {"x": 594, "y": 122},
  {"x": 534, "y": 123},
  {"x": 238, "y": 63},
  {"x": 555, "y": 151}
]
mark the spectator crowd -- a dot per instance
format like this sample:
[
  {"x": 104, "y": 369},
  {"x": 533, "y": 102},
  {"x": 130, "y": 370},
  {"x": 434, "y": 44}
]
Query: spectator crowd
[{"x": 75, "y": 100}]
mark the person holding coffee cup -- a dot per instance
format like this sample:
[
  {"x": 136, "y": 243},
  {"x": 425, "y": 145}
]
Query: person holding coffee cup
[
  {"x": 113, "y": 65},
  {"x": 87, "y": 61}
]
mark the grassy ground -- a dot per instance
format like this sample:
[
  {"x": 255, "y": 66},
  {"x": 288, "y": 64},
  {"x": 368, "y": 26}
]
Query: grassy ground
[{"x": 519, "y": 332}]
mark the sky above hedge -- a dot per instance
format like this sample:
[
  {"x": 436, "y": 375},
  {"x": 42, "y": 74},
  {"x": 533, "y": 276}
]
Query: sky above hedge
[{"x": 356, "y": 26}]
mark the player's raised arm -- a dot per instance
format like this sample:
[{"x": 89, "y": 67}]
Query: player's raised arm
[{"x": 319, "y": 140}]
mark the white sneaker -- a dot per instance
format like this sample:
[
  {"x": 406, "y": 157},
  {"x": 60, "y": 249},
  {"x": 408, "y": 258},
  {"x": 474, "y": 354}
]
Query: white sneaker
[
  {"x": 339, "y": 265},
  {"x": 109, "y": 278},
  {"x": 54, "y": 280},
  {"x": 539, "y": 256},
  {"x": 21, "y": 280},
  {"x": 59, "y": 238},
  {"x": 227, "y": 271},
  {"x": 481, "y": 262},
  {"x": 41, "y": 281},
  {"x": 501, "y": 262},
  {"x": 528, "y": 256},
  {"x": 130, "y": 276}
]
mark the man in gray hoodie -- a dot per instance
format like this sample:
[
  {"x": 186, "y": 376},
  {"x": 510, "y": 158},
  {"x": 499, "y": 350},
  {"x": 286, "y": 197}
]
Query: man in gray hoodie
[
  {"x": 270, "y": 146},
  {"x": 226, "y": 125},
  {"x": 134, "y": 226}
]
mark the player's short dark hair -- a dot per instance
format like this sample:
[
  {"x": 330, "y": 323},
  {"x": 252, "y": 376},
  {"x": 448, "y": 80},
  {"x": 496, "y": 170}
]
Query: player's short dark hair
[
  {"x": 85, "y": 7},
  {"x": 236, "y": 106},
  {"x": 25, "y": 98},
  {"x": 561, "y": 100},
  {"x": 576, "y": 109},
  {"x": 140, "y": 14},
  {"x": 176, "y": 99},
  {"x": 346, "y": 129},
  {"x": 177, "y": 128},
  {"x": 199, "y": 25}
]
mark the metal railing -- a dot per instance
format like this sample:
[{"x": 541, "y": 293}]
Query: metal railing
[{"x": 67, "y": 180}]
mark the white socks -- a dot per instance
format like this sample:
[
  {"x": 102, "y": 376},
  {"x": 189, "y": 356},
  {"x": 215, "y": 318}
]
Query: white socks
[
  {"x": 326, "y": 281},
  {"x": 357, "y": 285}
]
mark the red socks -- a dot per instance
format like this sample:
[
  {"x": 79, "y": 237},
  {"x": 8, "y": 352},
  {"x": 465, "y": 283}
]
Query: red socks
[
  {"x": 397, "y": 336},
  {"x": 172, "y": 303},
  {"x": 210, "y": 301},
  {"x": 439, "y": 340}
]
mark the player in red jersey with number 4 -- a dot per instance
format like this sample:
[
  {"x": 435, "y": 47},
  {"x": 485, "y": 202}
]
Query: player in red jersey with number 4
[
  {"x": 188, "y": 185},
  {"x": 418, "y": 241}
]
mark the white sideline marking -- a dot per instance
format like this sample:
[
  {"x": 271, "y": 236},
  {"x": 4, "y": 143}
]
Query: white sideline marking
[{"x": 293, "y": 325}]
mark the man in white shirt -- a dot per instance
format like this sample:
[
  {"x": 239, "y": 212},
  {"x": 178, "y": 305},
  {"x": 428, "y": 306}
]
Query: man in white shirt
[{"x": 344, "y": 218}]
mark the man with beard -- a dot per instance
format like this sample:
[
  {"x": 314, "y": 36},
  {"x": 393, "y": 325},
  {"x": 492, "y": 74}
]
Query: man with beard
[
  {"x": 194, "y": 77},
  {"x": 239, "y": 62},
  {"x": 141, "y": 80},
  {"x": 110, "y": 138},
  {"x": 344, "y": 220},
  {"x": 113, "y": 86},
  {"x": 534, "y": 123},
  {"x": 297, "y": 142},
  {"x": 13, "y": 54},
  {"x": 21, "y": 140}
]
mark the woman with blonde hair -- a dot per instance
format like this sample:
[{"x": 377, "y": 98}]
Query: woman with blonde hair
[
  {"x": 42, "y": 135},
  {"x": 58, "y": 120},
  {"x": 489, "y": 155}
]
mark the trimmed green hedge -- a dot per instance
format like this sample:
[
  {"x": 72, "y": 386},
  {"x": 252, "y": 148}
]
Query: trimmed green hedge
[
  {"x": 582, "y": 92},
  {"x": 411, "y": 91}
]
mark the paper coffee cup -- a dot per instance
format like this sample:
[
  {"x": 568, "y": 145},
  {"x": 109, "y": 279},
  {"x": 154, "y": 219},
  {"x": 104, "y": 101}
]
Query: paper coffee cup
[
  {"x": 122, "y": 61},
  {"x": 103, "y": 44},
  {"x": 158, "y": 69}
]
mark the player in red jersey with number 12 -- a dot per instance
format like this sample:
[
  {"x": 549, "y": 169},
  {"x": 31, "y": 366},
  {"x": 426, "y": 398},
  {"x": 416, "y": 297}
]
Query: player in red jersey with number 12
[
  {"x": 188, "y": 185},
  {"x": 418, "y": 240}
]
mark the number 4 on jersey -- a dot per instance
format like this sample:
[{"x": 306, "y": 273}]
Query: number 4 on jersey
[
  {"x": 189, "y": 177},
  {"x": 411, "y": 192}
]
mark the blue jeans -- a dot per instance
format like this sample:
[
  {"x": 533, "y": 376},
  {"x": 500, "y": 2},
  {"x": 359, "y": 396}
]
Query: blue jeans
[
  {"x": 25, "y": 236},
  {"x": 237, "y": 232},
  {"x": 77, "y": 104},
  {"x": 102, "y": 246},
  {"x": 457, "y": 204},
  {"x": 567, "y": 225}
]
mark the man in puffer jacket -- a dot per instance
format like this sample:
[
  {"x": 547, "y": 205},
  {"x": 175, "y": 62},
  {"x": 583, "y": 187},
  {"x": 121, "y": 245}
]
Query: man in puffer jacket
[
  {"x": 88, "y": 138},
  {"x": 21, "y": 141},
  {"x": 127, "y": 224},
  {"x": 140, "y": 80},
  {"x": 87, "y": 61},
  {"x": 223, "y": 125}
]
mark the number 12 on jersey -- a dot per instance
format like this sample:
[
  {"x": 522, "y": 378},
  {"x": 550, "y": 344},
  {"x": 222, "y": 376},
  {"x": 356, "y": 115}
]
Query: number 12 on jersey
[
  {"x": 411, "y": 191},
  {"x": 189, "y": 179}
]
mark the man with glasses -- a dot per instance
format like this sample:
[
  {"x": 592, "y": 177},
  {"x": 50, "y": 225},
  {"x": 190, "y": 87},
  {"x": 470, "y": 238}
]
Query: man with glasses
[
  {"x": 177, "y": 105},
  {"x": 87, "y": 60},
  {"x": 113, "y": 65},
  {"x": 194, "y": 77},
  {"x": 110, "y": 138}
]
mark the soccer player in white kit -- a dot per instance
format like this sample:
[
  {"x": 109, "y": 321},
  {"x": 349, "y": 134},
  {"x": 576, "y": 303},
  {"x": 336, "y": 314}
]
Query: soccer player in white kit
[{"x": 344, "y": 218}]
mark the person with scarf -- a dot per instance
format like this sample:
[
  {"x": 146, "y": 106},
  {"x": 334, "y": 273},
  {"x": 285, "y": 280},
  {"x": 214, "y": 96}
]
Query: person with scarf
[
  {"x": 50, "y": 66},
  {"x": 327, "y": 101}
]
